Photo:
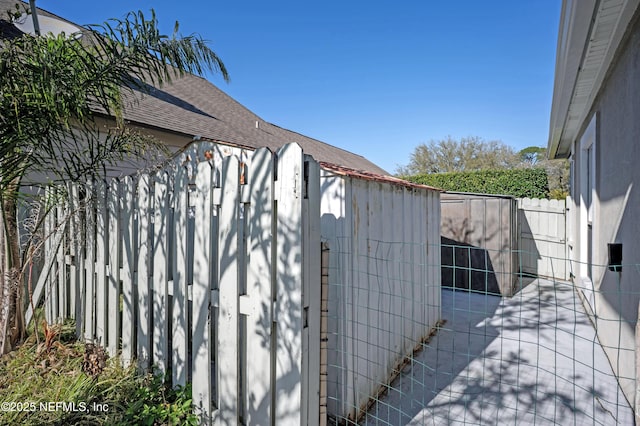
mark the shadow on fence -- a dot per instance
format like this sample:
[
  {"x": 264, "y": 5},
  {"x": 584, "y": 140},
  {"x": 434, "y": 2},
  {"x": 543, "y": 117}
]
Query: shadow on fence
[{"x": 208, "y": 274}]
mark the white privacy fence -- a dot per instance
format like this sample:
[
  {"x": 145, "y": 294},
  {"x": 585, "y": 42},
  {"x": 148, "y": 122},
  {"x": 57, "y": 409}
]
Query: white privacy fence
[
  {"x": 542, "y": 226},
  {"x": 209, "y": 270}
]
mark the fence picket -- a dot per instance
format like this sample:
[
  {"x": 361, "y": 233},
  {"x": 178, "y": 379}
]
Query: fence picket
[
  {"x": 289, "y": 285},
  {"x": 100, "y": 264},
  {"x": 143, "y": 273},
  {"x": 101, "y": 258},
  {"x": 90, "y": 223},
  {"x": 180, "y": 268},
  {"x": 113, "y": 291},
  {"x": 81, "y": 237},
  {"x": 128, "y": 267},
  {"x": 75, "y": 250},
  {"x": 201, "y": 347},
  {"x": 63, "y": 301},
  {"x": 259, "y": 283},
  {"x": 50, "y": 256},
  {"x": 160, "y": 272},
  {"x": 228, "y": 242}
]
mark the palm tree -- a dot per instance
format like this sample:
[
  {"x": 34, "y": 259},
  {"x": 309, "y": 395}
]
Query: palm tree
[{"x": 52, "y": 89}]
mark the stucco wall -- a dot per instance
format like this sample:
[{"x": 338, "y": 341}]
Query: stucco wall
[{"x": 617, "y": 207}]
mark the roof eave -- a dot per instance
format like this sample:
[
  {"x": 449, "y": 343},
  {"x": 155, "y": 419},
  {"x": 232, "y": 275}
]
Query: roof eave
[{"x": 589, "y": 35}]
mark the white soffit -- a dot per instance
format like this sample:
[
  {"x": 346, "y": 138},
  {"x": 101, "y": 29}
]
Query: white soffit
[{"x": 608, "y": 24}]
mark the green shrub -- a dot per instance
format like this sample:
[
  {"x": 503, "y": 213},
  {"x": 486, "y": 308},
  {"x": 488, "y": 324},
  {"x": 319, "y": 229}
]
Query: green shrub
[
  {"x": 37, "y": 373},
  {"x": 154, "y": 403},
  {"x": 520, "y": 183}
]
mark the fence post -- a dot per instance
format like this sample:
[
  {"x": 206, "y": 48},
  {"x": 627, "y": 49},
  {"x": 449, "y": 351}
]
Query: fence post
[
  {"x": 311, "y": 292},
  {"x": 324, "y": 333},
  {"x": 637, "y": 401},
  {"x": 289, "y": 304}
]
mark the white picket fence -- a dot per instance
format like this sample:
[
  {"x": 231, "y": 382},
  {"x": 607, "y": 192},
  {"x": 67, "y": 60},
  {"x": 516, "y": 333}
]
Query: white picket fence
[
  {"x": 542, "y": 226},
  {"x": 209, "y": 269}
]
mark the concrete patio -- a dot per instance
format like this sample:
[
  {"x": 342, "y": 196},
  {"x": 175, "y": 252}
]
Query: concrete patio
[{"x": 531, "y": 359}]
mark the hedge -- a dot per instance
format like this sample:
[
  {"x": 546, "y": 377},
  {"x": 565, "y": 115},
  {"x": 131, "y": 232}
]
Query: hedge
[{"x": 520, "y": 183}]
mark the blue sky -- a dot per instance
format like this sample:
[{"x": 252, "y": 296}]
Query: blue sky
[{"x": 375, "y": 77}]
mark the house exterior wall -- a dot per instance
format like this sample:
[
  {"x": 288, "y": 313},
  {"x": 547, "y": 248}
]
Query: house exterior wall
[
  {"x": 384, "y": 282},
  {"x": 614, "y": 123}
]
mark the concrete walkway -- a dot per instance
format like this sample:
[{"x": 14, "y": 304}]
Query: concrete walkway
[{"x": 530, "y": 360}]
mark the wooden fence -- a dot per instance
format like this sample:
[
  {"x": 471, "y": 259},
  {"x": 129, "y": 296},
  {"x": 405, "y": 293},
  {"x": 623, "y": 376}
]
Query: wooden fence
[
  {"x": 208, "y": 270},
  {"x": 516, "y": 235},
  {"x": 543, "y": 237}
]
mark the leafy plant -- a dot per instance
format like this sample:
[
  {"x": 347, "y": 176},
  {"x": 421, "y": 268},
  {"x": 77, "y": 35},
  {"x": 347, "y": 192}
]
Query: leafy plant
[
  {"x": 154, "y": 403},
  {"x": 451, "y": 155},
  {"x": 519, "y": 183},
  {"x": 34, "y": 375},
  {"x": 54, "y": 90}
]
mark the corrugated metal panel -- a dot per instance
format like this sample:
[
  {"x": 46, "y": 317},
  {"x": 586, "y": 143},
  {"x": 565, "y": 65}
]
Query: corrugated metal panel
[
  {"x": 364, "y": 175},
  {"x": 384, "y": 280}
]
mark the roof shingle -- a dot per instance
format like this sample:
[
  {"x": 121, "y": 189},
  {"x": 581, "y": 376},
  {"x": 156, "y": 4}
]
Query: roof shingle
[{"x": 194, "y": 107}]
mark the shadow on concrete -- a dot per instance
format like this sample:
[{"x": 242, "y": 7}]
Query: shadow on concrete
[
  {"x": 465, "y": 266},
  {"x": 529, "y": 359}
]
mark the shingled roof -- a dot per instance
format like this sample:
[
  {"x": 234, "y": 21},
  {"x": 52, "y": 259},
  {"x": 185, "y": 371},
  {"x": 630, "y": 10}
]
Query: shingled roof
[{"x": 193, "y": 107}]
